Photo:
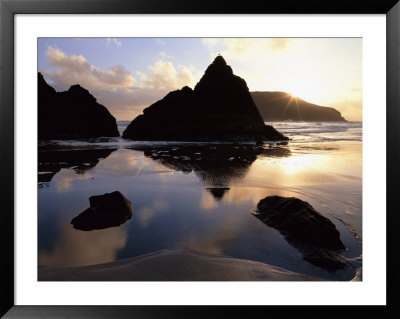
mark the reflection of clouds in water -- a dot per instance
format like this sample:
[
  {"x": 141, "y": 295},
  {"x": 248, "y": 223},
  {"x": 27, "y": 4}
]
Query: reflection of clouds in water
[
  {"x": 84, "y": 248},
  {"x": 120, "y": 163},
  {"x": 215, "y": 241},
  {"x": 207, "y": 201},
  {"x": 63, "y": 180},
  {"x": 238, "y": 194},
  {"x": 145, "y": 214},
  {"x": 124, "y": 162}
]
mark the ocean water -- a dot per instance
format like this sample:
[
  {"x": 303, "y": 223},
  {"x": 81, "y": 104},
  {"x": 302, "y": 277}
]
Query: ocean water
[{"x": 199, "y": 196}]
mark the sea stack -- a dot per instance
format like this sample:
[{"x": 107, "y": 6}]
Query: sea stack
[
  {"x": 220, "y": 108},
  {"x": 72, "y": 114},
  {"x": 282, "y": 106}
]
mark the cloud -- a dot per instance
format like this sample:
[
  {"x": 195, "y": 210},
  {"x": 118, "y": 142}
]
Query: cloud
[
  {"x": 240, "y": 47},
  {"x": 73, "y": 69},
  {"x": 164, "y": 55},
  {"x": 117, "y": 42},
  {"x": 211, "y": 43},
  {"x": 116, "y": 88},
  {"x": 278, "y": 44},
  {"x": 162, "y": 78},
  {"x": 166, "y": 77}
]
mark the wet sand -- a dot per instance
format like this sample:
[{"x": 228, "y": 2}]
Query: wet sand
[{"x": 173, "y": 265}]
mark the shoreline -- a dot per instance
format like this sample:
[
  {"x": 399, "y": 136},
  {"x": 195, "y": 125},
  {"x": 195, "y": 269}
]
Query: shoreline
[{"x": 173, "y": 265}]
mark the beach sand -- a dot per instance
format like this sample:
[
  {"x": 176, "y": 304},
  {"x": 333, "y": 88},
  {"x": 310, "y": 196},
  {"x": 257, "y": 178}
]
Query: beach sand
[{"x": 173, "y": 265}]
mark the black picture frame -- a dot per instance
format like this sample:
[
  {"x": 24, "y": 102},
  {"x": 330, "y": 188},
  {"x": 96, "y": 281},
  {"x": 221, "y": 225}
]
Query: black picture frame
[{"x": 8, "y": 10}]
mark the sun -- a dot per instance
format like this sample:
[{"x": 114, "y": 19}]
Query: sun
[{"x": 310, "y": 89}]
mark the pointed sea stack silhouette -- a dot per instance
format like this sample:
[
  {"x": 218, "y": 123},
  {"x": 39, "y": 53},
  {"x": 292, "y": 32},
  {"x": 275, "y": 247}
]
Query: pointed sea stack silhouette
[
  {"x": 282, "y": 106},
  {"x": 72, "y": 114},
  {"x": 219, "y": 108}
]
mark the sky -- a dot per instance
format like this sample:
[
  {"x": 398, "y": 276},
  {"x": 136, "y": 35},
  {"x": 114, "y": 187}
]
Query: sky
[{"x": 128, "y": 74}]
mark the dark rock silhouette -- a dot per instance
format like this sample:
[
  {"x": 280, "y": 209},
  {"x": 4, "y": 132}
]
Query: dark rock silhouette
[
  {"x": 108, "y": 210},
  {"x": 216, "y": 165},
  {"x": 218, "y": 192},
  {"x": 282, "y": 106},
  {"x": 219, "y": 108},
  {"x": 51, "y": 161},
  {"x": 71, "y": 114},
  {"x": 314, "y": 235}
]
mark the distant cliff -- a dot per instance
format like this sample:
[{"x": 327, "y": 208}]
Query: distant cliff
[
  {"x": 219, "y": 108},
  {"x": 71, "y": 114},
  {"x": 282, "y": 106}
]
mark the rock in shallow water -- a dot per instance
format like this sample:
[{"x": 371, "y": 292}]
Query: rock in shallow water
[
  {"x": 108, "y": 210},
  {"x": 299, "y": 220},
  {"x": 314, "y": 235}
]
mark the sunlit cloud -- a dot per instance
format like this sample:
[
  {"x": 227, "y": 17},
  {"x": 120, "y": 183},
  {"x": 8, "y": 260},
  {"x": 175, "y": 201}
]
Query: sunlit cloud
[
  {"x": 75, "y": 69},
  {"x": 237, "y": 47},
  {"x": 165, "y": 77},
  {"x": 278, "y": 44},
  {"x": 116, "y": 88}
]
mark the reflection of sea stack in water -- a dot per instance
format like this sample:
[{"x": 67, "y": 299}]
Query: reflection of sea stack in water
[
  {"x": 216, "y": 165},
  {"x": 72, "y": 114},
  {"x": 218, "y": 192},
  {"x": 314, "y": 235},
  {"x": 51, "y": 161},
  {"x": 108, "y": 210},
  {"x": 282, "y": 106},
  {"x": 219, "y": 108}
]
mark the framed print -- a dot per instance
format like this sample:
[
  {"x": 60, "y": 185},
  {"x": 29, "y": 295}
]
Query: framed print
[{"x": 159, "y": 154}]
